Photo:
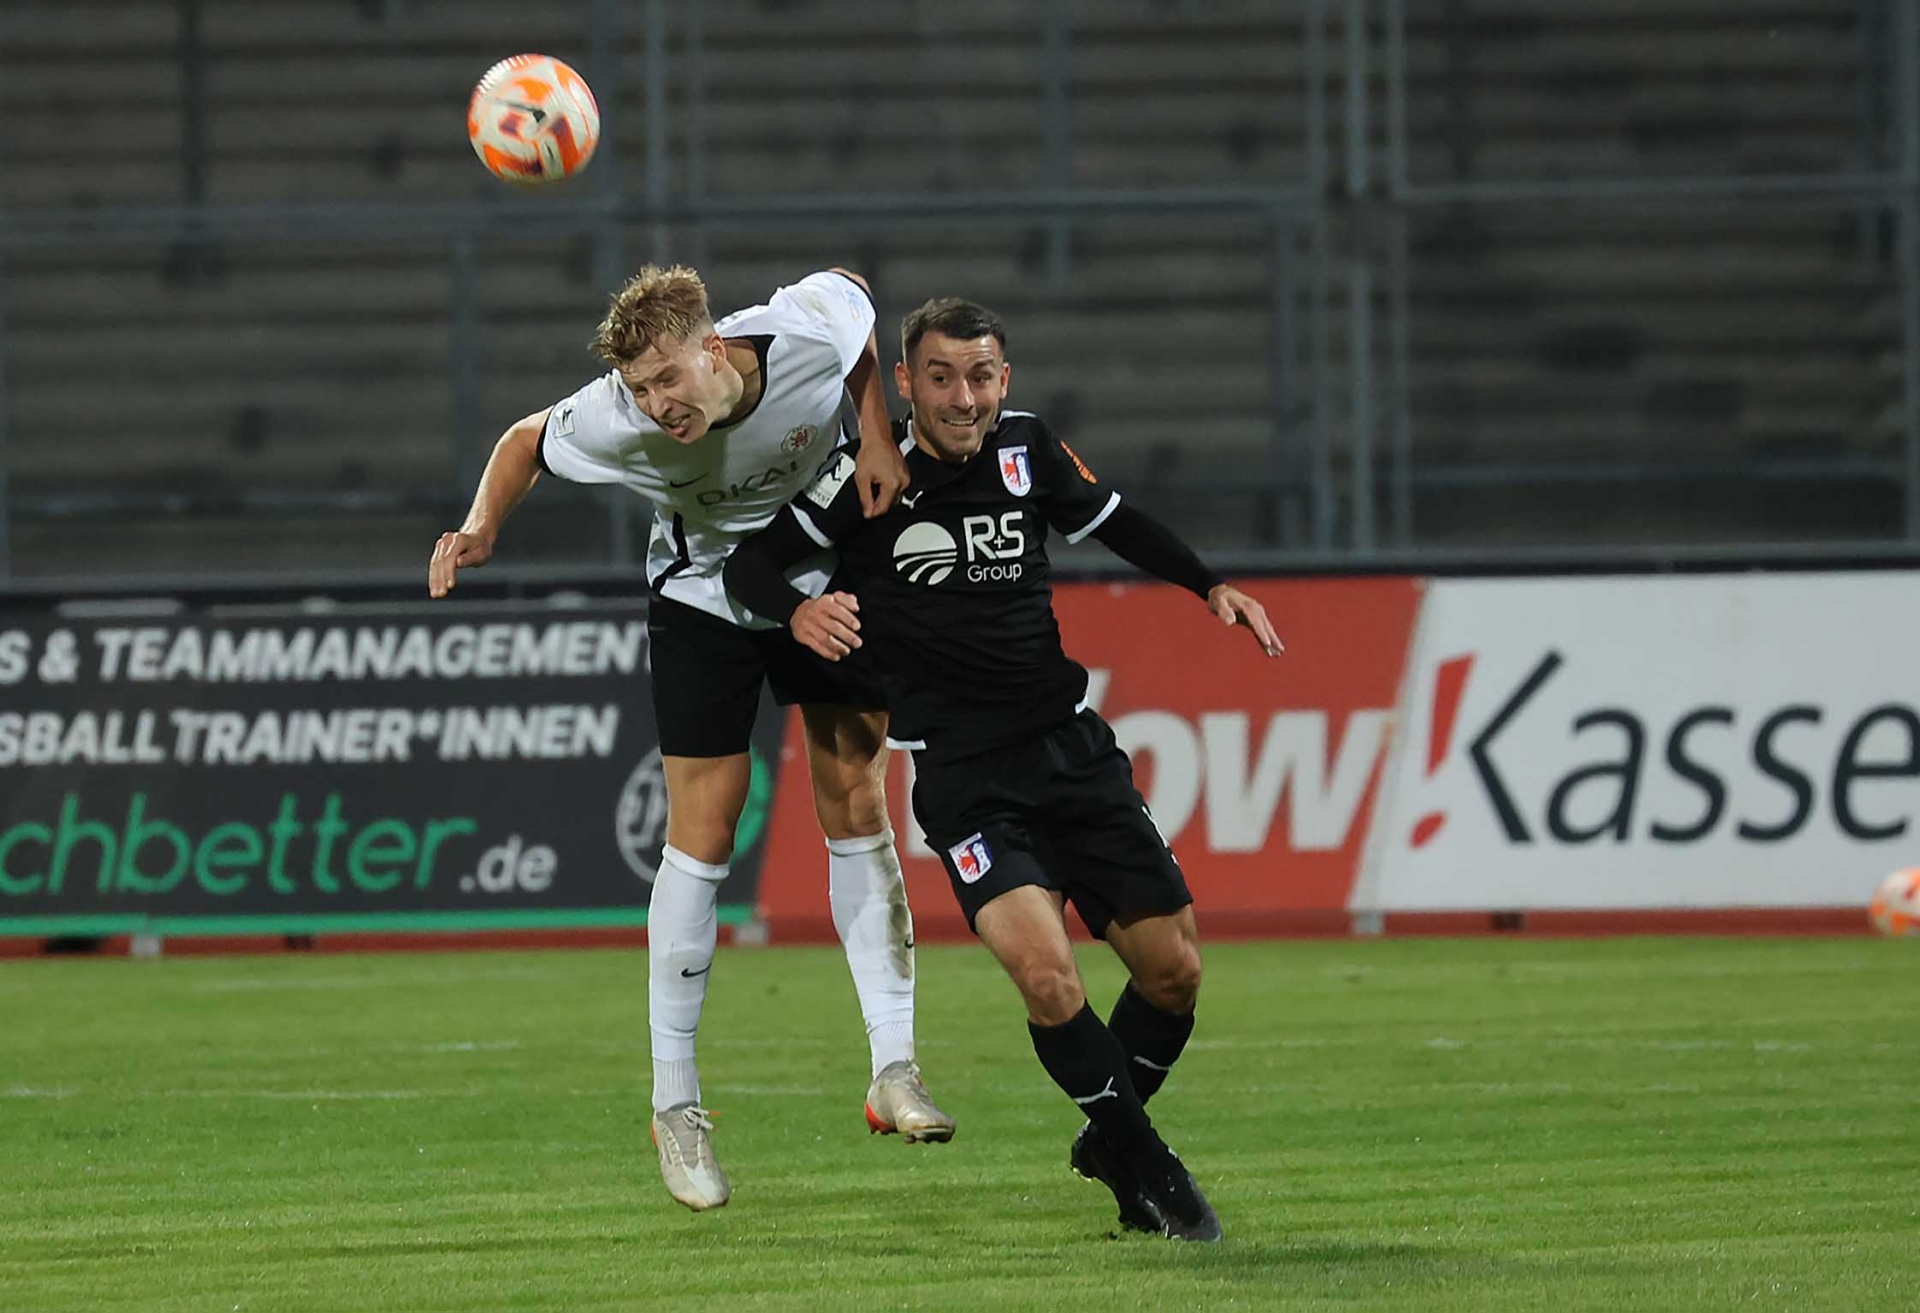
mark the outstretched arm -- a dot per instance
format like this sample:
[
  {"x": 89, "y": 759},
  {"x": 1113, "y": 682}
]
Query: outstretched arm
[
  {"x": 511, "y": 472},
  {"x": 1140, "y": 540}
]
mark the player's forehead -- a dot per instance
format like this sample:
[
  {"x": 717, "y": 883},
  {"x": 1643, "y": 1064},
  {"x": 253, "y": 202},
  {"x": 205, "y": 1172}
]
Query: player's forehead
[
  {"x": 938, "y": 351},
  {"x": 662, "y": 356}
]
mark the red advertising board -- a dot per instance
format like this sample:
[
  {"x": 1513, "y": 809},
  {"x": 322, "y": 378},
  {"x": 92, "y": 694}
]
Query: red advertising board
[{"x": 1261, "y": 772}]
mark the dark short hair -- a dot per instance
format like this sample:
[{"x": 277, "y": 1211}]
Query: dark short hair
[{"x": 952, "y": 317}]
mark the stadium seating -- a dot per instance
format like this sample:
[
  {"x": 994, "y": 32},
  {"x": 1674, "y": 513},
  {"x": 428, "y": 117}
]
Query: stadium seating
[{"x": 1654, "y": 348}]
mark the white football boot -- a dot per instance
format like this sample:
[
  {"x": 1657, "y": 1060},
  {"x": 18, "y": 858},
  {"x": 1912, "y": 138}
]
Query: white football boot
[
  {"x": 898, "y": 1102},
  {"x": 687, "y": 1164}
]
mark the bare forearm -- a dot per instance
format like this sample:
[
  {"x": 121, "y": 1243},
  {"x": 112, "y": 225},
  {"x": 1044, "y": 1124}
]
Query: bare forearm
[
  {"x": 882, "y": 473},
  {"x": 511, "y": 472},
  {"x": 869, "y": 396}
]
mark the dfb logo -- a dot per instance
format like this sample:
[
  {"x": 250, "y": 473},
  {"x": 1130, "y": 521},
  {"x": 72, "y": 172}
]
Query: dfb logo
[{"x": 640, "y": 816}]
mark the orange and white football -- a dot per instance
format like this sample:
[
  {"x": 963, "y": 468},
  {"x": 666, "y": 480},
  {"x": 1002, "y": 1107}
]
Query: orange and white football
[
  {"x": 533, "y": 120},
  {"x": 1895, "y": 906}
]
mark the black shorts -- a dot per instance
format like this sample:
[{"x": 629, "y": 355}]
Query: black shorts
[
  {"x": 707, "y": 675},
  {"x": 1059, "y": 811}
]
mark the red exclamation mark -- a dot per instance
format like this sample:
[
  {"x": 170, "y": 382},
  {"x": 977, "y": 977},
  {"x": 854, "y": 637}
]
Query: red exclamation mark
[{"x": 1449, "y": 684}]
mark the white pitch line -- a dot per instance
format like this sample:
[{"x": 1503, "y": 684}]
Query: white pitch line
[
  {"x": 315, "y": 1096},
  {"x": 374, "y": 1096},
  {"x": 284, "y": 986},
  {"x": 1601, "y": 1043},
  {"x": 263, "y": 984},
  {"x": 28, "y": 1092}
]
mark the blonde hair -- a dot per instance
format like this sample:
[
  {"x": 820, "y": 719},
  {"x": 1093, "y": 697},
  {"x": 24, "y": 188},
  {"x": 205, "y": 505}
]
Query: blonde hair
[{"x": 655, "y": 304}]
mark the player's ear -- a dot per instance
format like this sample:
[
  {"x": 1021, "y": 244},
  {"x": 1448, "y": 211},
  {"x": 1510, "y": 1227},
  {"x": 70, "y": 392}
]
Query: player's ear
[
  {"x": 1006, "y": 377},
  {"x": 903, "y": 380}
]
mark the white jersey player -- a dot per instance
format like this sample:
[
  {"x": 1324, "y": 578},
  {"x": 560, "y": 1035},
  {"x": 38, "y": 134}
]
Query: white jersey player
[
  {"x": 709, "y": 495},
  {"x": 718, "y": 425}
]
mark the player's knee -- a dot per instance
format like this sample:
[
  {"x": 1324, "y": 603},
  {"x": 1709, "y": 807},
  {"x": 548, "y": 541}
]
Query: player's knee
[
  {"x": 852, "y": 813},
  {"x": 705, "y": 840},
  {"x": 1052, "y": 991},
  {"x": 867, "y": 808},
  {"x": 1173, "y": 984}
]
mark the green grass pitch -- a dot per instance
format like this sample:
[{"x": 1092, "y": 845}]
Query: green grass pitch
[{"x": 1405, "y": 1124}]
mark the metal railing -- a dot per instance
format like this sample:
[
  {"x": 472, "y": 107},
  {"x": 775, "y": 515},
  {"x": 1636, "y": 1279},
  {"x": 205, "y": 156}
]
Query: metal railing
[
  {"x": 1889, "y": 191},
  {"x": 1326, "y": 455}
]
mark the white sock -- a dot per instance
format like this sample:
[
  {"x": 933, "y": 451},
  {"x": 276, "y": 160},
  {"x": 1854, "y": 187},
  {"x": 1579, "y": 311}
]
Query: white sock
[
  {"x": 870, "y": 911},
  {"x": 681, "y": 931}
]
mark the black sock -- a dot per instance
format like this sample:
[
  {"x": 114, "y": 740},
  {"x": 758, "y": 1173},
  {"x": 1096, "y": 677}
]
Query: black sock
[
  {"x": 1152, "y": 1039},
  {"x": 1087, "y": 1062}
]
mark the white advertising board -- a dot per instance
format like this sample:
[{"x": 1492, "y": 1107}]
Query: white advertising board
[{"x": 1682, "y": 742}]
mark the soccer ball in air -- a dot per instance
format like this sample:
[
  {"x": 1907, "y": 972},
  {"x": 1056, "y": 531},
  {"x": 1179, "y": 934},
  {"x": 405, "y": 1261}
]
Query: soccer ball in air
[
  {"x": 1895, "y": 908},
  {"x": 533, "y": 120}
]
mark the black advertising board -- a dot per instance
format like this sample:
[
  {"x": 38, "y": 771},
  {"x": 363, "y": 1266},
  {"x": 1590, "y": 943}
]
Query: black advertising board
[{"x": 273, "y": 770}]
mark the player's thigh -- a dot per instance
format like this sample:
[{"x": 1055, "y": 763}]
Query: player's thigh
[
  {"x": 1025, "y": 929},
  {"x": 953, "y": 799},
  {"x": 800, "y": 676},
  {"x": 1108, "y": 855},
  {"x": 705, "y": 796},
  {"x": 707, "y": 675},
  {"x": 847, "y": 759},
  {"x": 984, "y": 863},
  {"x": 1162, "y": 953},
  {"x": 976, "y": 817}
]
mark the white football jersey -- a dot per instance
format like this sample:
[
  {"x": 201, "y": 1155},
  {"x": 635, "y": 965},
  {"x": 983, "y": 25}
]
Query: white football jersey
[{"x": 709, "y": 494}]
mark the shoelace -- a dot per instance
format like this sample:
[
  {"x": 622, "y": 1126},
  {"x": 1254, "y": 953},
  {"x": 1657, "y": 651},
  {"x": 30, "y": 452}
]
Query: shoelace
[{"x": 700, "y": 1118}]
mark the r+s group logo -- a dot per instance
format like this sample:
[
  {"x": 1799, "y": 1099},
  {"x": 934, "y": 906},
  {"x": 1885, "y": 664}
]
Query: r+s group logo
[{"x": 928, "y": 553}]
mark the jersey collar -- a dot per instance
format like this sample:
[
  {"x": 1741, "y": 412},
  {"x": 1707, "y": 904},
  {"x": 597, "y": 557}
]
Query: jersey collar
[
  {"x": 930, "y": 471},
  {"x": 762, "y": 344}
]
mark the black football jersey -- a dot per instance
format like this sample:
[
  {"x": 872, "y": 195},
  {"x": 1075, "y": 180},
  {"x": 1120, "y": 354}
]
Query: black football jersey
[{"x": 956, "y": 603}]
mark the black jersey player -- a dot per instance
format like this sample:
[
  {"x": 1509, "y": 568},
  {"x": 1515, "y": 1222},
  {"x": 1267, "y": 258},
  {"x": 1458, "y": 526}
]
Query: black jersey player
[{"x": 1019, "y": 786}]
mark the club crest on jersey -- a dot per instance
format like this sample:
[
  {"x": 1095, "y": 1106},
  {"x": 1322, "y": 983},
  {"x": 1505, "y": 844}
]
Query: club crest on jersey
[
  {"x": 972, "y": 858},
  {"x": 1015, "y": 472},
  {"x": 798, "y": 439}
]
